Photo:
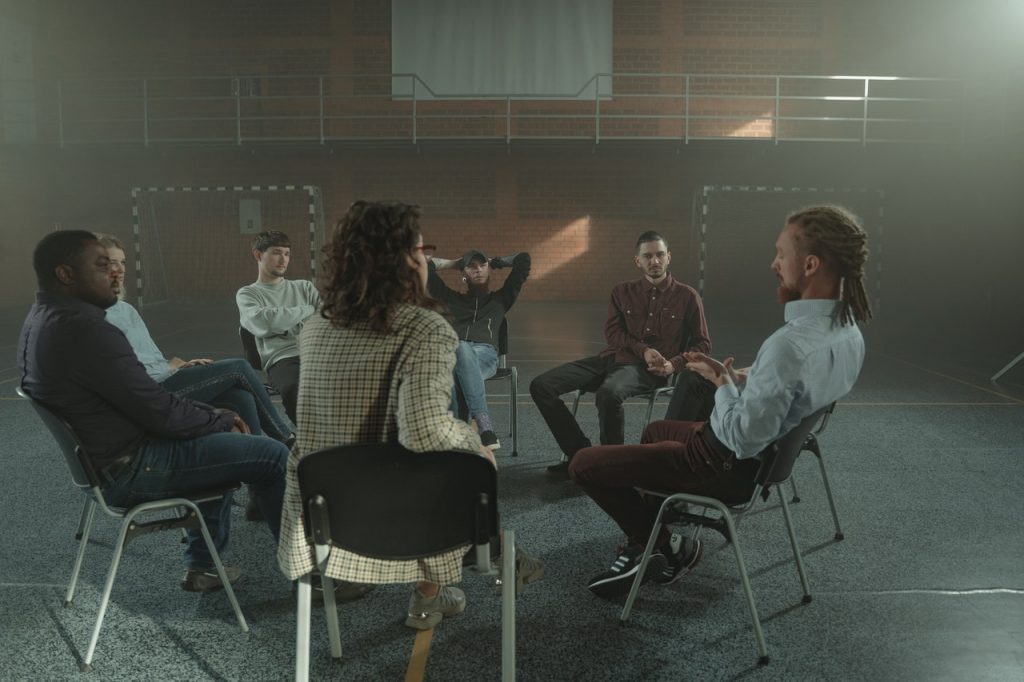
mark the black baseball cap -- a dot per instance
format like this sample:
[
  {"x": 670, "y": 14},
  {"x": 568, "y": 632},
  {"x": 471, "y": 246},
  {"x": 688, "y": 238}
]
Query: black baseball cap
[{"x": 471, "y": 256}]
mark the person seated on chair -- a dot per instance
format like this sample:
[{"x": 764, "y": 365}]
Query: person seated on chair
[
  {"x": 810, "y": 362},
  {"x": 228, "y": 383},
  {"x": 377, "y": 367},
  {"x": 143, "y": 440},
  {"x": 477, "y": 315},
  {"x": 652, "y": 321},
  {"x": 273, "y": 309}
]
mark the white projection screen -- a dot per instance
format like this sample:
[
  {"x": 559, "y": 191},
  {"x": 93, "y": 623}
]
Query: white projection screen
[{"x": 523, "y": 48}]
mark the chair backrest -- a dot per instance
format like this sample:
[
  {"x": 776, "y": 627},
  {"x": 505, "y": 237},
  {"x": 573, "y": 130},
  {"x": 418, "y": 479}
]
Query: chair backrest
[
  {"x": 778, "y": 458},
  {"x": 82, "y": 472},
  {"x": 252, "y": 353},
  {"x": 387, "y": 502}
]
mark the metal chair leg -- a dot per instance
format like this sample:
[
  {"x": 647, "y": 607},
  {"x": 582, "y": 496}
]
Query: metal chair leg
[
  {"x": 331, "y": 611},
  {"x": 513, "y": 412},
  {"x": 88, "y": 517},
  {"x": 228, "y": 590},
  {"x": 508, "y": 608},
  {"x": 792, "y": 485},
  {"x": 797, "y": 557},
  {"x": 762, "y": 648},
  {"x": 305, "y": 597},
  {"x": 638, "y": 579},
  {"x": 831, "y": 502},
  {"x": 81, "y": 521},
  {"x": 86, "y": 664}
]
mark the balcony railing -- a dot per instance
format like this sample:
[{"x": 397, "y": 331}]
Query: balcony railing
[{"x": 325, "y": 109}]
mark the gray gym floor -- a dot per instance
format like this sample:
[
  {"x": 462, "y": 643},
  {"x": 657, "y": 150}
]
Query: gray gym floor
[{"x": 925, "y": 461}]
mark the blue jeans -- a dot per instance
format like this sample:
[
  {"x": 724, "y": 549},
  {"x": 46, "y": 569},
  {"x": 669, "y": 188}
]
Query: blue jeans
[
  {"x": 170, "y": 468},
  {"x": 474, "y": 363},
  {"x": 232, "y": 384}
]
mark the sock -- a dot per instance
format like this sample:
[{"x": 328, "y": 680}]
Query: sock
[{"x": 483, "y": 423}]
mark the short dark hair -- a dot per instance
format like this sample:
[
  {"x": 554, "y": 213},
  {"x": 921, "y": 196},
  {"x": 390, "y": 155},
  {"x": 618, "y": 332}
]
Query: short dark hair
[
  {"x": 58, "y": 248},
  {"x": 265, "y": 240},
  {"x": 649, "y": 236}
]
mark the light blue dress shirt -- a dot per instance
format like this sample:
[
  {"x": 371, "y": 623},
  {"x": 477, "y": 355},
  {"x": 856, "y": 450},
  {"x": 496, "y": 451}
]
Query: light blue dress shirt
[
  {"x": 126, "y": 318},
  {"x": 808, "y": 363}
]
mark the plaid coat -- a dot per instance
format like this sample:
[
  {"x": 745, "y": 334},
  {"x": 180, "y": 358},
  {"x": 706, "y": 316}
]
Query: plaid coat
[{"x": 360, "y": 386}]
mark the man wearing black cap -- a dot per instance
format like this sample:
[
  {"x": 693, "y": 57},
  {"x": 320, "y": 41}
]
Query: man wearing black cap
[{"x": 476, "y": 315}]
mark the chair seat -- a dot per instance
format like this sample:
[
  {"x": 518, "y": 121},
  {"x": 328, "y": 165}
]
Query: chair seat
[{"x": 501, "y": 373}]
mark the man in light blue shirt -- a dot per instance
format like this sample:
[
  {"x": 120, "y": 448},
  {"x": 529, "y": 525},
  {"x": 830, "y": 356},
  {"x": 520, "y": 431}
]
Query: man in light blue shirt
[{"x": 810, "y": 362}]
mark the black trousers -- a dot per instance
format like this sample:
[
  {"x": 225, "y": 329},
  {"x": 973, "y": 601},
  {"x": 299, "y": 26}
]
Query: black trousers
[
  {"x": 693, "y": 398},
  {"x": 611, "y": 382},
  {"x": 284, "y": 376}
]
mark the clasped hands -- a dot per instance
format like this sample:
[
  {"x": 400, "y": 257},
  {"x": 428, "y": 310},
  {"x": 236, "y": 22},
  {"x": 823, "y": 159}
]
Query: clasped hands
[{"x": 714, "y": 371}]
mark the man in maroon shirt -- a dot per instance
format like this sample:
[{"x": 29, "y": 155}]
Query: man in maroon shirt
[{"x": 651, "y": 323}]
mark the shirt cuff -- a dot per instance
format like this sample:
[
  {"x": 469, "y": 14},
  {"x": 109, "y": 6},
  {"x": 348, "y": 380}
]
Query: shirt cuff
[{"x": 727, "y": 393}]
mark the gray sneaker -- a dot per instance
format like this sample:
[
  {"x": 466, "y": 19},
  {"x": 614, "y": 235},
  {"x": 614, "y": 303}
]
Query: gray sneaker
[
  {"x": 426, "y": 612},
  {"x": 208, "y": 580},
  {"x": 528, "y": 569}
]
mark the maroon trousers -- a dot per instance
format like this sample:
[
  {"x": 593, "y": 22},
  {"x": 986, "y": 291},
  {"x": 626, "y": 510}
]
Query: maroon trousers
[{"x": 673, "y": 456}]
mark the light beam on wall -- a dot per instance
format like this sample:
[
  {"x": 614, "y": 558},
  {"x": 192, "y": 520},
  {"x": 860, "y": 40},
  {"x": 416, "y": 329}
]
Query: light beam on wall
[{"x": 561, "y": 248}]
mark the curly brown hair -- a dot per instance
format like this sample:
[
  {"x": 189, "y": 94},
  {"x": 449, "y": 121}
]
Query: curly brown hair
[{"x": 366, "y": 273}]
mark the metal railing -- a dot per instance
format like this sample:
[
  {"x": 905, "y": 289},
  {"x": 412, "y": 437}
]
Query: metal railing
[{"x": 324, "y": 109}]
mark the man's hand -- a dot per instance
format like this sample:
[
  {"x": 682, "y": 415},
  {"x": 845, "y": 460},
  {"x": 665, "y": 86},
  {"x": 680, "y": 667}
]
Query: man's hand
[
  {"x": 239, "y": 425},
  {"x": 178, "y": 363},
  {"x": 489, "y": 454},
  {"x": 444, "y": 263},
  {"x": 663, "y": 370},
  {"x": 653, "y": 358},
  {"x": 714, "y": 371}
]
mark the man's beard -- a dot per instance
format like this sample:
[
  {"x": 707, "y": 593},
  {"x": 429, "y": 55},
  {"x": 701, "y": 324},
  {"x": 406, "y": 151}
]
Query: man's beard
[{"x": 786, "y": 294}]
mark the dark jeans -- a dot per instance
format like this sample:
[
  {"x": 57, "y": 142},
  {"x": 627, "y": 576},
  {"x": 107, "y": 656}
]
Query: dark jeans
[
  {"x": 609, "y": 381},
  {"x": 169, "y": 468},
  {"x": 693, "y": 398},
  {"x": 284, "y": 376},
  {"x": 672, "y": 457},
  {"x": 232, "y": 384}
]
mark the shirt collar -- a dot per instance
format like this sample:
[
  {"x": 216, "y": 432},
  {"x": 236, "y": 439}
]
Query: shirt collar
[
  {"x": 812, "y": 307},
  {"x": 70, "y": 302},
  {"x": 646, "y": 285}
]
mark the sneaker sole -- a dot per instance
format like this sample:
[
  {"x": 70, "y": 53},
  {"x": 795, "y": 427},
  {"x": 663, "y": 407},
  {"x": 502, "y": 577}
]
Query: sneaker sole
[{"x": 619, "y": 585}]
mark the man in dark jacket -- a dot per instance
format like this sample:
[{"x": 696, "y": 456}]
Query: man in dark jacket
[{"x": 477, "y": 315}]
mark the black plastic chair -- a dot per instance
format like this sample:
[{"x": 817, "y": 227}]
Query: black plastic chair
[
  {"x": 252, "y": 355},
  {"x": 249, "y": 349},
  {"x": 383, "y": 501},
  {"x": 510, "y": 374},
  {"x": 811, "y": 445},
  {"x": 86, "y": 479},
  {"x": 776, "y": 466}
]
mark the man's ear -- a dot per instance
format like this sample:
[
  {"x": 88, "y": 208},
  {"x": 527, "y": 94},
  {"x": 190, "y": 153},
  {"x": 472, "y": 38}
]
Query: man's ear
[
  {"x": 811, "y": 264},
  {"x": 256, "y": 255},
  {"x": 65, "y": 274}
]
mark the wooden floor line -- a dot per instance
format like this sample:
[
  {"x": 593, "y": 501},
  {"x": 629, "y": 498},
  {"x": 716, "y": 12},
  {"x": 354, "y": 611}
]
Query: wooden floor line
[
  {"x": 418, "y": 658},
  {"x": 951, "y": 378}
]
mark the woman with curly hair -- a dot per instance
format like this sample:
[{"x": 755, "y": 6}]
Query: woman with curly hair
[{"x": 377, "y": 367}]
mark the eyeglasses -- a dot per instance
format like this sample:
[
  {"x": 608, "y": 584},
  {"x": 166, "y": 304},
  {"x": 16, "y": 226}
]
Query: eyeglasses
[{"x": 427, "y": 249}]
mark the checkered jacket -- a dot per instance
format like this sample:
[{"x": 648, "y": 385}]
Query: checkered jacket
[{"x": 361, "y": 386}]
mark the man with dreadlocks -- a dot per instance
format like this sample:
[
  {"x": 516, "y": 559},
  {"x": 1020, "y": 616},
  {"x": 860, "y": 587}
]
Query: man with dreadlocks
[{"x": 810, "y": 362}]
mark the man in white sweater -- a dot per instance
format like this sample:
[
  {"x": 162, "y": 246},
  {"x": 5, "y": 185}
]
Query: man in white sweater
[{"x": 273, "y": 309}]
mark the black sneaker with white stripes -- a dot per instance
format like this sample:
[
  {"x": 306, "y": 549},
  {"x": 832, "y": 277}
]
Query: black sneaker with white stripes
[
  {"x": 618, "y": 579},
  {"x": 681, "y": 555}
]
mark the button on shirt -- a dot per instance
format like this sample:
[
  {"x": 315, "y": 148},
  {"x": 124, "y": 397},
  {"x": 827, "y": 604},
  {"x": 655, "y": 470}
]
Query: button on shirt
[
  {"x": 808, "y": 363},
  {"x": 668, "y": 317},
  {"x": 82, "y": 369}
]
